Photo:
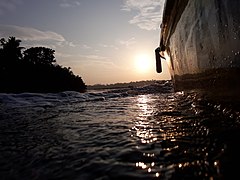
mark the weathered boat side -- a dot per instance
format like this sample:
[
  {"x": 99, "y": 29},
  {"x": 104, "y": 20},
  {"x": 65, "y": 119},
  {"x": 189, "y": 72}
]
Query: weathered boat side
[{"x": 201, "y": 39}]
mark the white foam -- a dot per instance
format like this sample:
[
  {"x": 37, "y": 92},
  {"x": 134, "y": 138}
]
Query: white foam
[{"x": 52, "y": 99}]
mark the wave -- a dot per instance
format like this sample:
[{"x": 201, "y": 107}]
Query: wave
[{"x": 51, "y": 99}]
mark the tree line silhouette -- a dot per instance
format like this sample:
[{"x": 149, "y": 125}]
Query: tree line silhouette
[{"x": 34, "y": 70}]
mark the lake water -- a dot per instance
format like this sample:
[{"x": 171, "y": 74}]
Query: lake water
[{"x": 133, "y": 133}]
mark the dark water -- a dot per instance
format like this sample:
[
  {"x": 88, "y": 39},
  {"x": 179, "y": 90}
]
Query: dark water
[{"x": 123, "y": 134}]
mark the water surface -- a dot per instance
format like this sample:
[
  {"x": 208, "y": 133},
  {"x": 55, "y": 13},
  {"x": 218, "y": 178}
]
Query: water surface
[{"x": 142, "y": 133}]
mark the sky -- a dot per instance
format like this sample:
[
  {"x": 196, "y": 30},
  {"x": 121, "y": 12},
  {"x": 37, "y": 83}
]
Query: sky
[{"x": 102, "y": 41}]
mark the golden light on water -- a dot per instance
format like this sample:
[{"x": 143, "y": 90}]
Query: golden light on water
[
  {"x": 141, "y": 164},
  {"x": 159, "y": 132},
  {"x": 142, "y": 125},
  {"x": 144, "y": 108},
  {"x": 144, "y": 131}
]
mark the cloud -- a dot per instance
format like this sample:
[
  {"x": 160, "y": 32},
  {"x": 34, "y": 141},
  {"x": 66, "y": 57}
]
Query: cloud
[
  {"x": 8, "y": 5},
  {"x": 71, "y": 44},
  {"x": 128, "y": 42},
  {"x": 93, "y": 57},
  {"x": 69, "y": 3},
  {"x": 62, "y": 55},
  {"x": 84, "y": 46},
  {"x": 29, "y": 34},
  {"x": 99, "y": 65},
  {"x": 149, "y": 13},
  {"x": 108, "y": 46}
]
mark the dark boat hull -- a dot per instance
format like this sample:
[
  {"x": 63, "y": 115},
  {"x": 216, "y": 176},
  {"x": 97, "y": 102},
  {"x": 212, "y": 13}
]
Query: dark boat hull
[{"x": 202, "y": 42}]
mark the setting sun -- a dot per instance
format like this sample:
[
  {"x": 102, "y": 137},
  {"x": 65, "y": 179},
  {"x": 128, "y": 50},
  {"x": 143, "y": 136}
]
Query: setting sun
[{"x": 142, "y": 63}]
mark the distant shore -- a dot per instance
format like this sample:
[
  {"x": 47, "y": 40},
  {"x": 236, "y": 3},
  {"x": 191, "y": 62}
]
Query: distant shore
[{"x": 124, "y": 85}]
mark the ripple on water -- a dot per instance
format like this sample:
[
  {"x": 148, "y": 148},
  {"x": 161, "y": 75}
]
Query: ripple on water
[{"x": 166, "y": 136}]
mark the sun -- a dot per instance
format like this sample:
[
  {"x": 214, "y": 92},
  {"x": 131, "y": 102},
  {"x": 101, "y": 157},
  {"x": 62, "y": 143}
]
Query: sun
[{"x": 142, "y": 63}]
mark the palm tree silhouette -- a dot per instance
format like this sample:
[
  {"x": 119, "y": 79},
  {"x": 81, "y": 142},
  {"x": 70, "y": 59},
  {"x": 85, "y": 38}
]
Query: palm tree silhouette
[{"x": 11, "y": 50}]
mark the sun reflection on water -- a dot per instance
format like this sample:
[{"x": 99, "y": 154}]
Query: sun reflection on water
[
  {"x": 146, "y": 133},
  {"x": 166, "y": 139},
  {"x": 144, "y": 107},
  {"x": 143, "y": 126}
]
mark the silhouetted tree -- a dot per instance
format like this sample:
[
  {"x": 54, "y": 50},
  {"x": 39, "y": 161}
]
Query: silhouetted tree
[
  {"x": 10, "y": 56},
  {"x": 11, "y": 50},
  {"x": 40, "y": 55},
  {"x": 36, "y": 71}
]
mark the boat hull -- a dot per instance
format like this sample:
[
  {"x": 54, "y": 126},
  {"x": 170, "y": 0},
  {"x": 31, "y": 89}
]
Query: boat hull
[{"x": 202, "y": 42}]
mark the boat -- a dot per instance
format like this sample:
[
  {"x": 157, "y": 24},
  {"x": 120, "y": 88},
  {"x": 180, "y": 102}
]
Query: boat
[{"x": 200, "y": 40}]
